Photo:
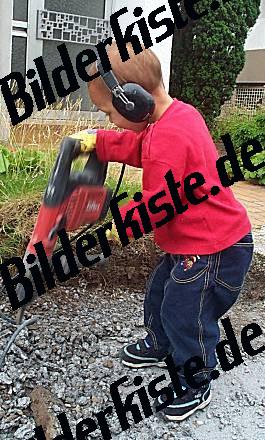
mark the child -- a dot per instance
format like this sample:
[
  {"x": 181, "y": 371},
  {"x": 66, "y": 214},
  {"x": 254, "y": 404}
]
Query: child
[{"x": 208, "y": 248}]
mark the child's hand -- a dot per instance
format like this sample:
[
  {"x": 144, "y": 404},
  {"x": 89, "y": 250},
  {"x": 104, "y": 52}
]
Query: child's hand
[{"x": 87, "y": 138}]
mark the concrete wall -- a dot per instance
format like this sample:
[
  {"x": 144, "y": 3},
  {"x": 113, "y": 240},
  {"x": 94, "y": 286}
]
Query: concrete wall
[{"x": 6, "y": 13}]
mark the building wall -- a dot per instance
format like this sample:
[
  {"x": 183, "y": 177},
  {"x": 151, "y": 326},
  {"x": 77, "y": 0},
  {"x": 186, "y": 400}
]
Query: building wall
[
  {"x": 6, "y": 10},
  {"x": 254, "y": 69},
  {"x": 256, "y": 38},
  {"x": 163, "y": 49},
  {"x": 35, "y": 46},
  {"x": 91, "y": 8},
  {"x": 21, "y": 41}
]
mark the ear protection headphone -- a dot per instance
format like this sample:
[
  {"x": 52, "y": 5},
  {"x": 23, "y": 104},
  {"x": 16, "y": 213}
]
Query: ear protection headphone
[{"x": 132, "y": 101}]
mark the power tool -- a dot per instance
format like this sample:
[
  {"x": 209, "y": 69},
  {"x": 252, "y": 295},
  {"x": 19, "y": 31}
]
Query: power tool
[{"x": 71, "y": 200}]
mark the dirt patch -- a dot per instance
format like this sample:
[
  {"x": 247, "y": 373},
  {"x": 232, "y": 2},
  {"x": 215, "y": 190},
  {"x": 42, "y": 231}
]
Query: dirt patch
[
  {"x": 254, "y": 286},
  {"x": 133, "y": 264}
]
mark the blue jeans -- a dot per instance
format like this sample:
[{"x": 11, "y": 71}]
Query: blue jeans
[{"x": 183, "y": 304}]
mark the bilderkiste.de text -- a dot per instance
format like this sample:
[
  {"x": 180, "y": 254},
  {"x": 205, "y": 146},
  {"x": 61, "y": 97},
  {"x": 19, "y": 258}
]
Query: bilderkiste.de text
[{"x": 167, "y": 202}]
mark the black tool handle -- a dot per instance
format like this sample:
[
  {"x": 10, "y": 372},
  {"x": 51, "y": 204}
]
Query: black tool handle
[{"x": 61, "y": 184}]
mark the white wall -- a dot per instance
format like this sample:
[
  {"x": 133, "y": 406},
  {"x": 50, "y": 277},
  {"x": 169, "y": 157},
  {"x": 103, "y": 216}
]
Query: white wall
[
  {"x": 256, "y": 38},
  {"x": 163, "y": 49},
  {"x": 35, "y": 46},
  {"x": 6, "y": 14}
]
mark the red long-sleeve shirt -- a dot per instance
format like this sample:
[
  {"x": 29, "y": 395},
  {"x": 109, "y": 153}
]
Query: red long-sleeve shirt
[{"x": 179, "y": 141}]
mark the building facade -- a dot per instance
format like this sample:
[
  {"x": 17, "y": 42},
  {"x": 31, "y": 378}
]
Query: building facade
[
  {"x": 250, "y": 90},
  {"x": 34, "y": 28}
]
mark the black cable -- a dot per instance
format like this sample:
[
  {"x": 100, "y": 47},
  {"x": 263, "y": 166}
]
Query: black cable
[
  {"x": 14, "y": 336},
  {"x": 119, "y": 181}
]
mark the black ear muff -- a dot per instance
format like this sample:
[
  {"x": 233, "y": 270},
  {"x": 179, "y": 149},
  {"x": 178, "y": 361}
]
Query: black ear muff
[
  {"x": 132, "y": 101},
  {"x": 140, "y": 105}
]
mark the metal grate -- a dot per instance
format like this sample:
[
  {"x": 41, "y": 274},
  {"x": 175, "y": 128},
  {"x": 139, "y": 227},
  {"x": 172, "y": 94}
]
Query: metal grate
[
  {"x": 249, "y": 97},
  {"x": 71, "y": 28},
  {"x": 246, "y": 98}
]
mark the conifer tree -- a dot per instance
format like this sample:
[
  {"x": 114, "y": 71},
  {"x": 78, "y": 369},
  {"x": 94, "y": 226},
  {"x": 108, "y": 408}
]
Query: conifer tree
[{"x": 208, "y": 54}]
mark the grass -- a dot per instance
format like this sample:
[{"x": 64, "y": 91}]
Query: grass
[
  {"x": 24, "y": 185},
  {"x": 21, "y": 186}
]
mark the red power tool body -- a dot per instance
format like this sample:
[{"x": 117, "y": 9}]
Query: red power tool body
[{"x": 71, "y": 200}]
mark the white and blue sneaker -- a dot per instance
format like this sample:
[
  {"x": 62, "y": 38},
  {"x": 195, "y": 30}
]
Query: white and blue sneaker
[
  {"x": 141, "y": 355},
  {"x": 183, "y": 407}
]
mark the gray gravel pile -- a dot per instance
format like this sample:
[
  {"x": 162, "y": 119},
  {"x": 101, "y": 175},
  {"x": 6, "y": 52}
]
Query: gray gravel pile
[
  {"x": 259, "y": 239},
  {"x": 73, "y": 351}
]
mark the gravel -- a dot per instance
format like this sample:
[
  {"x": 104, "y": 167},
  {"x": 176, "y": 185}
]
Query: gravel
[
  {"x": 73, "y": 352},
  {"x": 259, "y": 239}
]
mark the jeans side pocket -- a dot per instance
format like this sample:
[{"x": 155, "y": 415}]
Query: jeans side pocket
[
  {"x": 233, "y": 264},
  {"x": 183, "y": 276}
]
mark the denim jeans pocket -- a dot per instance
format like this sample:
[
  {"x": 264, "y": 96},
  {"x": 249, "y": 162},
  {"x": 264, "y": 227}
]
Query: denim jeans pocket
[
  {"x": 233, "y": 264},
  {"x": 189, "y": 269}
]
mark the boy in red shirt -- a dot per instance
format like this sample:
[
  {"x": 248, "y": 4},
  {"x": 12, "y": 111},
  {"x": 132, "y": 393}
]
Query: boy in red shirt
[{"x": 206, "y": 238}]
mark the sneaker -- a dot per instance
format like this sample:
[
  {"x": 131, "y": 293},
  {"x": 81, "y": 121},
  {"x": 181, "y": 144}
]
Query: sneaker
[
  {"x": 140, "y": 355},
  {"x": 183, "y": 407}
]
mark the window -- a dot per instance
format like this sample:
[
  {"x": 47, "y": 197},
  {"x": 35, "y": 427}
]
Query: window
[
  {"x": 88, "y": 8},
  {"x": 19, "y": 55},
  {"x": 20, "y": 10}
]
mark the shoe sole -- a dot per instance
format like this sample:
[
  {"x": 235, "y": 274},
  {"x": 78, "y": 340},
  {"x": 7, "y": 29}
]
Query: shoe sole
[
  {"x": 160, "y": 364},
  {"x": 185, "y": 416}
]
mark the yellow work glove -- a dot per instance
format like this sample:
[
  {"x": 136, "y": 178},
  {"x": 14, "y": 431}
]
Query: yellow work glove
[
  {"x": 87, "y": 138},
  {"x": 113, "y": 234}
]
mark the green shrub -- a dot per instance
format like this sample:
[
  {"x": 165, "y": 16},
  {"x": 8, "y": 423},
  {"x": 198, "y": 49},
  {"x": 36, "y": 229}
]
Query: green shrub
[{"x": 242, "y": 127}]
